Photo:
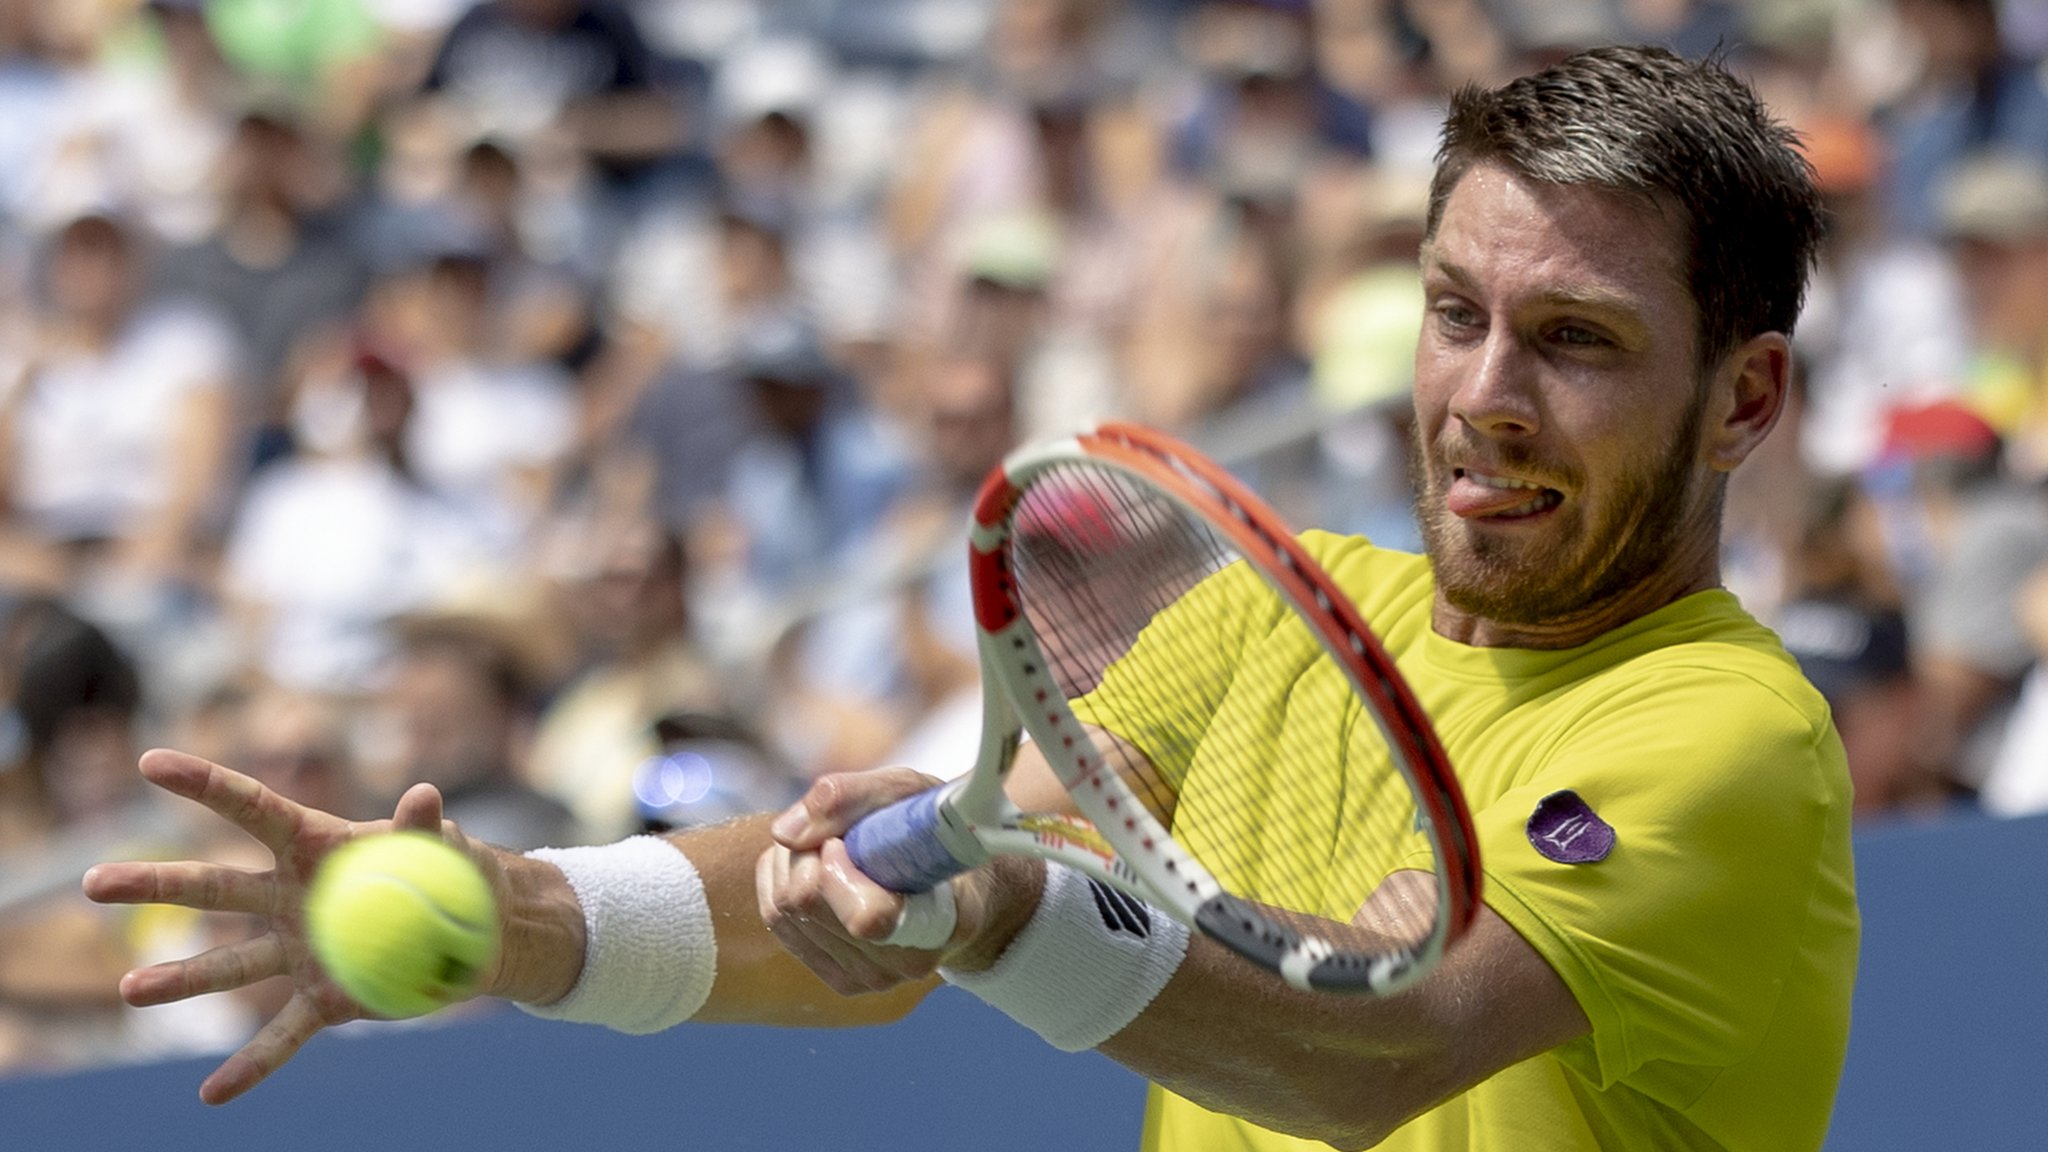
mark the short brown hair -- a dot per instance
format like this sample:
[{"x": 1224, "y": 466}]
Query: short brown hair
[{"x": 1643, "y": 120}]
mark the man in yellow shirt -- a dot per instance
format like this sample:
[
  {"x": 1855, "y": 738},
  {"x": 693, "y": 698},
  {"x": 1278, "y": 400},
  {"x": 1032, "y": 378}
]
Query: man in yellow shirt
[
  {"x": 1616, "y": 252},
  {"x": 1643, "y": 802}
]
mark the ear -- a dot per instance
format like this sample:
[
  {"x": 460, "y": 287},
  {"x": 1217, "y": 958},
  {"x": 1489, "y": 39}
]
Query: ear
[{"x": 1749, "y": 396}]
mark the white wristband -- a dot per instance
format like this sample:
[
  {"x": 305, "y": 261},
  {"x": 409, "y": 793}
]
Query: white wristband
[
  {"x": 649, "y": 956},
  {"x": 1090, "y": 959}
]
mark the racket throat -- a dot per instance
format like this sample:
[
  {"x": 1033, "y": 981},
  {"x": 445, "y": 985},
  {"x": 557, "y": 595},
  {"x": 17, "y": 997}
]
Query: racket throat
[
  {"x": 955, "y": 828},
  {"x": 1307, "y": 963}
]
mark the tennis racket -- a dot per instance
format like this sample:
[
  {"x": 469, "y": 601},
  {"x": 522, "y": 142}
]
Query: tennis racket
[{"x": 1098, "y": 565}]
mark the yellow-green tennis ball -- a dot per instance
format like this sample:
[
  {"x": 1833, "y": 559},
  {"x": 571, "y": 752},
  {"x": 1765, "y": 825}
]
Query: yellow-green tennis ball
[{"x": 404, "y": 922}]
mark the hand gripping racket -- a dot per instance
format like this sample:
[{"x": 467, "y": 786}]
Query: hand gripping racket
[{"x": 1105, "y": 570}]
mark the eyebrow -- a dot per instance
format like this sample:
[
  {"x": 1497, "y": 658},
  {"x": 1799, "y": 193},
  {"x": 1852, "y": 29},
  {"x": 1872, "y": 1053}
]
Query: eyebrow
[{"x": 1594, "y": 299}]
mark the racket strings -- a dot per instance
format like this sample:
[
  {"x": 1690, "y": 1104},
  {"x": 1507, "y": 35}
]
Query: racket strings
[
  {"x": 1096, "y": 558},
  {"x": 1297, "y": 803}
]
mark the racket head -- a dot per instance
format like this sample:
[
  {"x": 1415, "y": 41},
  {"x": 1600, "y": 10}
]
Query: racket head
[{"x": 1078, "y": 547}]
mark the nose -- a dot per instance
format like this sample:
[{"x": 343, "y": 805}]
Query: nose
[{"x": 1496, "y": 391}]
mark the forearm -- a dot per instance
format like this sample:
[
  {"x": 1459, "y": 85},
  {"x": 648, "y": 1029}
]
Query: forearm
[
  {"x": 1233, "y": 1039},
  {"x": 1342, "y": 1069},
  {"x": 757, "y": 981},
  {"x": 1346, "y": 1070},
  {"x": 1197, "y": 1019}
]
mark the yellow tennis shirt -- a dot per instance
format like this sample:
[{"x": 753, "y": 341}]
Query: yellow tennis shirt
[{"x": 1712, "y": 943}]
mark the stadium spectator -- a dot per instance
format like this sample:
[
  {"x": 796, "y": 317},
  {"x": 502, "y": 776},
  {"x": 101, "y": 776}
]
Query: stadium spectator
[
  {"x": 1356, "y": 317},
  {"x": 301, "y": 741},
  {"x": 116, "y": 433},
  {"x": 692, "y": 287},
  {"x": 458, "y": 708},
  {"x": 891, "y": 677},
  {"x": 1994, "y": 210},
  {"x": 1985, "y": 528},
  {"x": 626, "y": 592},
  {"x": 1972, "y": 95},
  {"x": 1886, "y": 324},
  {"x": 1217, "y": 332},
  {"x": 491, "y": 423},
  {"x": 33, "y": 93},
  {"x": 810, "y": 487},
  {"x": 138, "y": 130},
  {"x": 1048, "y": 163},
  {"x": 1842, "y": 619},
  {"x": 540, "y": 281},
  {"x": 281, "y": 263},
  {"x": 1971, "y": 652},
  {"x": 1262, "y": 117},
  {"x": 334, "y": 541},
  {"x": 783, "y": 138},
  {"x": 72, "y": 700},
  {"x": 2017, "y": 782},
  {"x": 577, "y": 71}
]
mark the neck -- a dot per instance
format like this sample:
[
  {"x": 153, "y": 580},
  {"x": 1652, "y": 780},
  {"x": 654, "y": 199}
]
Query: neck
[{"x": 1695, "y": 568}]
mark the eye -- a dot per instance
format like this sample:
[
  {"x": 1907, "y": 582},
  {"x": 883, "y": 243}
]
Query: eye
[
  {"x": 1578, "y": 336},
  {"x": 1457, "y": 314}
]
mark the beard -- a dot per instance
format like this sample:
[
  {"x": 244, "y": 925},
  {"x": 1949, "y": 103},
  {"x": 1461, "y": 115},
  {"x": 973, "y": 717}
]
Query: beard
[{"x": 1588, "y": 559}]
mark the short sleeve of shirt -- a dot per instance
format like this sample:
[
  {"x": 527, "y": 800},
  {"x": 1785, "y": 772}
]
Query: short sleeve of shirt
[{"x": 1676, "y": 944}]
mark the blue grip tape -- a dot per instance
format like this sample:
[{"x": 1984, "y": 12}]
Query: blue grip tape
[{"x": 899, "y": 847}]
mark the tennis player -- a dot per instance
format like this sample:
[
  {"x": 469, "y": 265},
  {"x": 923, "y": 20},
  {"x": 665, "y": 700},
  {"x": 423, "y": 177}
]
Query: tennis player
[{"x": 1617, "y": 250}]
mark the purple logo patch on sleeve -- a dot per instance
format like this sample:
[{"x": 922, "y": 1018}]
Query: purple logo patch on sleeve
[{"x": 1566, "y": 830}]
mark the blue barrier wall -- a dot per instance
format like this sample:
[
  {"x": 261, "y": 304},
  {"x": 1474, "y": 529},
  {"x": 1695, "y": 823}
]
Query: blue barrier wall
[
  {"x": 1949, "y": 1047},
  {"x": 945, "y": 1080},
  {"x": 1951, "y": 1037}
]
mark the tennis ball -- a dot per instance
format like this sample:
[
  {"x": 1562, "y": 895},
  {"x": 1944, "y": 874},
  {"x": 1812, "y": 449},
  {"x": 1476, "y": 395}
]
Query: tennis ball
[{"x": 403, "y": 921}]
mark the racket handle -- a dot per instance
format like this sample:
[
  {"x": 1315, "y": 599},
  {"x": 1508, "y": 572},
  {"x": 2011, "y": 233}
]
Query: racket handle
[
  {"x": 899, "y": 847},
  {"x": 928, "y": 920}
]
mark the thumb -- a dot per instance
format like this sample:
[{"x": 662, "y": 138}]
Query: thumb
[{"x": 419, "y": 810}]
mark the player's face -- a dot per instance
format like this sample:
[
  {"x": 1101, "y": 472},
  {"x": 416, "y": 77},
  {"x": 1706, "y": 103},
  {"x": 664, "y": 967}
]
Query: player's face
[{"x": 1559, "y": 404}]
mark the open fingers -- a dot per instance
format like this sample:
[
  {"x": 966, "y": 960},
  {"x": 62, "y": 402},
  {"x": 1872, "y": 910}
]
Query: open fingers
[
  {"x": 190, "y": 883},
  {"x": 273, "y": 820},
  {"x": 274, "y": 1044},
  {"x": 220, "y": 969}
]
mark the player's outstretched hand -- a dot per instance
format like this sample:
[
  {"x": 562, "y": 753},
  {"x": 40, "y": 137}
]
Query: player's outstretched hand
[
  {"x": 833, "y": 918},
  {"x": 298, "y": 838}
]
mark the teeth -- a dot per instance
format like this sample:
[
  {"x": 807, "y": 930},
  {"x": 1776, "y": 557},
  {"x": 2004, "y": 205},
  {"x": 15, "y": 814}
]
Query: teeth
[{"x": 1484, "y": 480}]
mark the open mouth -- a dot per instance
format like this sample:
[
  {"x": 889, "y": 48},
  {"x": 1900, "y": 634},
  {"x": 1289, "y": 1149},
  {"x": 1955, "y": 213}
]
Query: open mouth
[{"x": 1476, "y": 495}]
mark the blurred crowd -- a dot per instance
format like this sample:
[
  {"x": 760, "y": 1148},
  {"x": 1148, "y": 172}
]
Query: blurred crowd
[{"x": 574, "y": 403}]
